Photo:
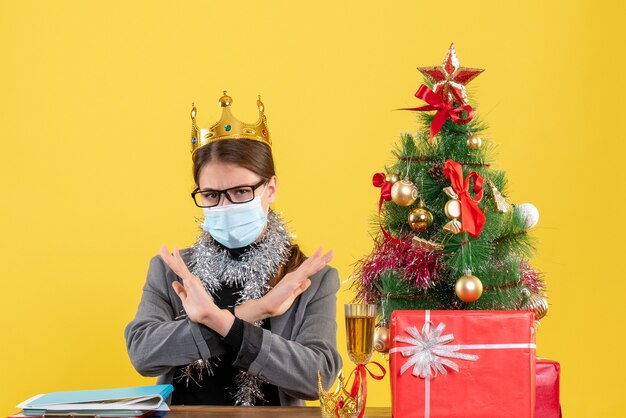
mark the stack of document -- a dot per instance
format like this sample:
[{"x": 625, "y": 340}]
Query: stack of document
[{"x": 141, "y": 401}]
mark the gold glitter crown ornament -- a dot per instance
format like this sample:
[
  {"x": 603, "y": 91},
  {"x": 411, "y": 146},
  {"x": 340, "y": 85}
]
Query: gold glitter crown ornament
[
  {"x": 337, "y": 404},
  {"x": 229, "y": 127}
]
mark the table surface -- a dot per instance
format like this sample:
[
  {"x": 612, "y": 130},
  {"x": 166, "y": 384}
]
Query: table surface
[{"x": 261, "y": 412}]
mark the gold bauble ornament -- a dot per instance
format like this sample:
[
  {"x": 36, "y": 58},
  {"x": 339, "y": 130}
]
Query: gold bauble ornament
[
  {"x": 453, "y": 209},
  {"x": 474, "y": 142},
  {"x": 468, "y": 288},
  {"x": 392, "y": 178},
  {"x": 420, "y": 219},
  {"x": 403, "y": 192},
  {"x": 536, "y": 303},
  {"x": 381, "y": 339}
]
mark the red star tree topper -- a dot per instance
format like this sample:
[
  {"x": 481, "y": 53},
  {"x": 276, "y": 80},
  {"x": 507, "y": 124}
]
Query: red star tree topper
[{"x": 449, "y": 79}]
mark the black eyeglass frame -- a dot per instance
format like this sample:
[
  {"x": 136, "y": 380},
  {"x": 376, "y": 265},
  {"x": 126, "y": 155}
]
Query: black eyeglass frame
[{"x": 225, "y": 193}]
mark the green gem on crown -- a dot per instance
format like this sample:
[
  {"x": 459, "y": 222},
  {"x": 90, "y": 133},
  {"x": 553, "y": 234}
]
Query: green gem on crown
[{"x": 227, "y": 128}]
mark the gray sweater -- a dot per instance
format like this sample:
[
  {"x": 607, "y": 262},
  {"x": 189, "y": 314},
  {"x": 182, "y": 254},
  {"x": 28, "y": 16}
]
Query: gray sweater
[{"x": 301, "y": 342}]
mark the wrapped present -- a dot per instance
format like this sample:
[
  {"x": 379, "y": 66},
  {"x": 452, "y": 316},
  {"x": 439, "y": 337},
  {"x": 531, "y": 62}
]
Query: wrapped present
[
  {"x": 469, "y": 364},
  {"x": 547, "y": 402}
]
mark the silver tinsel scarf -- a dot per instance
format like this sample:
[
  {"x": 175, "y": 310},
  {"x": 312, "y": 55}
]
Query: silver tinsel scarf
[{"x": 214, "y": 265}]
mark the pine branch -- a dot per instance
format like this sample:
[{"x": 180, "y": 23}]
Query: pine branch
[
  {"x": 509, "y": 237},
  {"x": 435, "y": 160}
]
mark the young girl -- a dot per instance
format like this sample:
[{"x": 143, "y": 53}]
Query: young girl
[{"x": 242, "y": 317}]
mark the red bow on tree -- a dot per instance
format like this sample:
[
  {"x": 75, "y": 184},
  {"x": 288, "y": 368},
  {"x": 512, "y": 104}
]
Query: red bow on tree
[
  {"x": 444, "y": 110},
  {"x": 385, "y": 195},
  {"x": 472, "y": 217},
  {"x": 385, "y": 188}
]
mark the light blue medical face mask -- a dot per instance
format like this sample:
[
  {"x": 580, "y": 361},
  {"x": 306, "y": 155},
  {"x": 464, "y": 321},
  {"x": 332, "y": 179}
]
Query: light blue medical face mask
[{"x": 235, "y": 226}]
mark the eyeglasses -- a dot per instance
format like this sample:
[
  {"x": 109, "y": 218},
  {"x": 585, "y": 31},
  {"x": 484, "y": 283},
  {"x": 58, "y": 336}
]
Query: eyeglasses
[{"x": 235, "y": 195}]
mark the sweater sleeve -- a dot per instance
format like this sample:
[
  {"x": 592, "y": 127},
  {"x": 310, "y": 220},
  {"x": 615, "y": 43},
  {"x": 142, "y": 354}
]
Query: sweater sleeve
[
  {"x": 155, "y": 340},
  {"x": 292, "y": 364}
]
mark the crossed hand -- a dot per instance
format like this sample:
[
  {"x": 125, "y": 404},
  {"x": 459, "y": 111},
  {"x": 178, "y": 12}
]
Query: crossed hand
[{"x": 200, "y": 307}]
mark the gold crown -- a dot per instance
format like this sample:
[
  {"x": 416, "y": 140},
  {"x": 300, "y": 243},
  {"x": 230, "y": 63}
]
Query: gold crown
[
  {"x": 338, "y": 403},
  {"x": 229, "y": 127}
]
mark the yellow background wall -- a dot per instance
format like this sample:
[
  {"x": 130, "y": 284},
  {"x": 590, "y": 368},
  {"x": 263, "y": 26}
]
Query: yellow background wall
[{"x": 95, "y": 165}]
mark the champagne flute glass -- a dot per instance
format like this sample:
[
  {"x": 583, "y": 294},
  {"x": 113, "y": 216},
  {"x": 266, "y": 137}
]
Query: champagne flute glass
[{"x": 360, "y": 320}]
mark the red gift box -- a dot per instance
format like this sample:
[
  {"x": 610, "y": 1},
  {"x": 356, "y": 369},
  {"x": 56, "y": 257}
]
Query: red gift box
[
  {"x": 462, "y": 364},
  {"x": 548, "y": 403}
]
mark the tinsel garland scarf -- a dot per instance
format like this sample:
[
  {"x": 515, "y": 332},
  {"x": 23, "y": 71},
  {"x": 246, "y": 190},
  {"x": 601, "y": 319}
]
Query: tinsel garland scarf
[{"x": 253, "y": 270}]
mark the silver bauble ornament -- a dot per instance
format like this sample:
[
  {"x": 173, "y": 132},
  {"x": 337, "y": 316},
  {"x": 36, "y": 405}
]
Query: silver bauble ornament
[{"x": 530, "y": 213}]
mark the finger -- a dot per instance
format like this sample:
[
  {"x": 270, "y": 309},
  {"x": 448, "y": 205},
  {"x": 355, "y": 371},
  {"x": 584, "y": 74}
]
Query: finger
[
  {"x": 181, "y": 263},
  {"x": 180, "y": 291},
  {"x": 178, "y": 260},
  {"x": 166, "y": 257},
  {"x": 318, "y": 257},
  {"x": 164, "y": 253},
  {"x": 194, "y": 285},
  {"x": 310, "y": 260},
  {"x": 178, "y": 288},
  {"x": 316, "y": 266},
  {"x": 317, "y": 253},
  {"x": 176, "y": 254},
  {"x": 300, "y": 289},
  {"x": 305, "y": 285},
  {"x": 319, "y": 264},
  {"x": 308, "y": 268},
  {"x": 177, "y": 264}
]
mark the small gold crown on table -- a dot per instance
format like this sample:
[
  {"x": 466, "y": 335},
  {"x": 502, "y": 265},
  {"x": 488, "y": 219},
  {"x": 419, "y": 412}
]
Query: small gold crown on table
[
  {"x": 229, "y": 127},
  {"x": 336, "y": 404}
]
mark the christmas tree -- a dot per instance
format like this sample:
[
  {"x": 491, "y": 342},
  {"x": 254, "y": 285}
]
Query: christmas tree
[{"x": 446, "y": 236}]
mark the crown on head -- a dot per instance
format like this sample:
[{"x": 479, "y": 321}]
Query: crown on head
[{"x": 229, "y": 127}]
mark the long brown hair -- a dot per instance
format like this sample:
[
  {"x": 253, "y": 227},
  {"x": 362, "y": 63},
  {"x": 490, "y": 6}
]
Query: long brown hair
[{"x": 256, "y": 157}]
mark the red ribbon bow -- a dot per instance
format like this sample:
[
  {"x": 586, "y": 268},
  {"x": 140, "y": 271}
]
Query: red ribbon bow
[
  {"x": 472, "y": 217},
  {"x": 385, "y": 188},
  {"x": 360, "y": 381},
  {"x": 444, "y": 110},
  {"x": 385, "y": 195}
]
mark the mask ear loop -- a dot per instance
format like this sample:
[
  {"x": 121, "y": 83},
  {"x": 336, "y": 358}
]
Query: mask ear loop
[{"x": 260, "y": 196}]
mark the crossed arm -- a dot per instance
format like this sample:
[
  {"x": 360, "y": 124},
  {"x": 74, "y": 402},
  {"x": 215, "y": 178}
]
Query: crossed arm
[{"x": 201, "y": 309}]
